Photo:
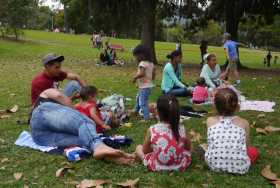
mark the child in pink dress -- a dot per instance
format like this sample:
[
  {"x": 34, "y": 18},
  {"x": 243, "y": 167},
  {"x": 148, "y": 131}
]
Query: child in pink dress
[
  {"x": 200, "y": 93},
  {"x": 166, "y": 146}
]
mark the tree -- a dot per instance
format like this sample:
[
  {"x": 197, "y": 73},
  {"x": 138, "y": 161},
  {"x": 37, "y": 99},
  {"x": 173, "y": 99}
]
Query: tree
[
  {"x": 148, "y": 28},
  {"x": 14, "y": 15},
  {"x": 232, "y": 10}
]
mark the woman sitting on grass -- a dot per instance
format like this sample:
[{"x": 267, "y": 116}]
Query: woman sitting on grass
[
  {"x": 55, "y": 123},
  {"x": 228, "y": 137},
  {"x": 211, "y": 72},
  {"x": 166, "y": 146},
  {"x": 171, "y": 77}
]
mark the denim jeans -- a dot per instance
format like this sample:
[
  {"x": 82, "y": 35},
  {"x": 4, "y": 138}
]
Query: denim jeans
[
  {"x": 178, "y": 92},
  {"x": 53, "y": 124},
  {"x": 71, "y": 88},
  {"x": 142, "y": 102}
]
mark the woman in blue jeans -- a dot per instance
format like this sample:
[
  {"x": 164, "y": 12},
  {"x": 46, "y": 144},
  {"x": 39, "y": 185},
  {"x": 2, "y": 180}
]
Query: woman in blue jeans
[
  {"x": 171, "y": 77},
  {"x": 55, "y": 123}
]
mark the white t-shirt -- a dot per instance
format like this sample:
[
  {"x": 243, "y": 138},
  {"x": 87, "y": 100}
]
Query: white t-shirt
[{"x": 147, "y": 80}]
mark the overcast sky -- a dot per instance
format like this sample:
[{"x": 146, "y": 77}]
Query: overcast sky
[{"x": 53, "y": 4}]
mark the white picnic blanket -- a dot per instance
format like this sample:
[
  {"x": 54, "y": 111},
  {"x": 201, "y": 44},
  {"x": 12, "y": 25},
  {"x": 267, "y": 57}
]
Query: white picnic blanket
[
  {"x": 262, "y": 106},
  {"x": 25, "y": 140}
]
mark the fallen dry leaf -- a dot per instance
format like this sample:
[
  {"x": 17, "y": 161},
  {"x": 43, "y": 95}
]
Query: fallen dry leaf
[
  {"x": 261, "y": 116},
  {"x": 91, "y": 183},
  {"x": 261, "y": 131},
  {"x": 13, "y": 109},
  {"x": 60, "y": 172},
  {"x": 17, "y": 175},
  {"x": 2, "y": 112},
  {"x": 4, "y": 160},
  {"x": 272, "y": 129},
  {"x": 268, "y": 174},
  {"x": 129, "y": 183},
  {"x": 195, "y": 137},
  {"x": 4, "y": 116},
  {"x": 204, "y": 146},
  {"x": 25, "y": 186}
]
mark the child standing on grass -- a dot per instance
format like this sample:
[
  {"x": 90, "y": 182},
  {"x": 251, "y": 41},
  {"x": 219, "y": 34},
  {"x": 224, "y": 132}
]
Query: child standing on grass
[
  {"x": 88, "y": 106},
  {"x": 200, "y": 93},
  {"x": 144, "y": 77},
  {"x": 229, "y": 147},
  {"x": 166, "y": 146}
]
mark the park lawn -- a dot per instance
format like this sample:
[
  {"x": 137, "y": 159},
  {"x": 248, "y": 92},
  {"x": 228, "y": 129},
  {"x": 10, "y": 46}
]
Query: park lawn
[{"x": 20, "y": 62}]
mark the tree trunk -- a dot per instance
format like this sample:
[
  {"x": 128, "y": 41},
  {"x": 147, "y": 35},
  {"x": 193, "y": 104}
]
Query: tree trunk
[
  {"x": 148, "y": 28},
  {"x": 232, "y": 19},
  {"x": 232, "y": 23},
  {"x": 90, "y": 11},
  {"x": 66, "y": 24}
]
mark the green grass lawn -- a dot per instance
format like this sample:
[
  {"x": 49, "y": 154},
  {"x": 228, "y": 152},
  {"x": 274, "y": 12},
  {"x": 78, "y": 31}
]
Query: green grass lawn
[{"x": 20, "y": 62}]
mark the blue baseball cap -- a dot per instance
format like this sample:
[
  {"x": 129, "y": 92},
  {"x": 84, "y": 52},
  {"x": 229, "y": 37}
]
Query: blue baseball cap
[{"x": 51, "y": 58}]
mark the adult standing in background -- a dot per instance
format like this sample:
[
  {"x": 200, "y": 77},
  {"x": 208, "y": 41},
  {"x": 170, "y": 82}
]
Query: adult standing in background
[{"x": 230, "y": 47}]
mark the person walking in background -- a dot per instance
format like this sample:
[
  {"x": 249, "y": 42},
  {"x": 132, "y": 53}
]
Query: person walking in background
[
  {"x": 268, "y": 57},
  {"x": 203, "y": 50},
  {"x": 230, "y": 47}
]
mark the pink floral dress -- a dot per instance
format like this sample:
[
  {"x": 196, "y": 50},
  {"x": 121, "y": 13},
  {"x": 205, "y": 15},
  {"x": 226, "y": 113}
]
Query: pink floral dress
[{"x": 168, "y": 154}]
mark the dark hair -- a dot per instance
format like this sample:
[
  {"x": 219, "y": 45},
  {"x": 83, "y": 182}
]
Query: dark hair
[
  {"x": 169, "y": 112},
  {"x": 226, "y": 102},
  {"x": 87, "y": 91},
  {"x": 142, "y": 53},
  {"x": 210, "y": 56},
  {"x": 200, "y": 81},
  {"x": 174, "y": 54}
]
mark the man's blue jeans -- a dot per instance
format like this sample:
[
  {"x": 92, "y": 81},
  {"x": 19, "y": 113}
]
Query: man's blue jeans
[
  {"x": 142, "y": 102},
  {"x": 53, "y": 124}
]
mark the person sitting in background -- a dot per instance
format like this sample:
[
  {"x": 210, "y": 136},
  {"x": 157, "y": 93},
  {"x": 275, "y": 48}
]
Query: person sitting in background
[
  {"x": 88, "y": 106},
  {"x": 228, "y": 137},
  {"x": 171, "y": 83},
  {"x": 200, "y": 93},
  {"x": 166, "y": 145},
  {"x": 211, "y": 72},
  {"x": 52, "y": 75}
]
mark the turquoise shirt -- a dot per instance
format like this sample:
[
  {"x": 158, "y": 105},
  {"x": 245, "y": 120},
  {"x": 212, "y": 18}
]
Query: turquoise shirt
[
  {"x": 170, "y": 78},
  {"x": 209, "y": 75}
]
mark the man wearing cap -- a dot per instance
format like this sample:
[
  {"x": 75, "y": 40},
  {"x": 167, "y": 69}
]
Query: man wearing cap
[{"x": 52, "y": 75}]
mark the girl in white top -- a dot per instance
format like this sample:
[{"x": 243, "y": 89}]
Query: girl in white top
[
  {"x": 228, "y": 137},
  {"x": 144, "y": 77}
]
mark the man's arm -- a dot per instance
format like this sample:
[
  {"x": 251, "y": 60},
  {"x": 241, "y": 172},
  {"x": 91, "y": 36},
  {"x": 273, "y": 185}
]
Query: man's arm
[{"x": 72, "y": 76}]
